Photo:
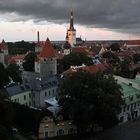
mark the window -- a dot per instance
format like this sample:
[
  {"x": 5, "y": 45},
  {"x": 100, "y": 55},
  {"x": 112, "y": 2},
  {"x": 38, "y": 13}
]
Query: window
[
  {"x": 131, "y": 98},
  {"x": 138, "y": 95},
  {"x": 49, "y": 92},
  {"x": 130, "y": 84},
  {"x": 128, "y": 108},
  {"x": 45, "y": 94},
  {"x": 124, "y": 109},
  {"x": 121, "y": 119},
  {"x": 30, "y": 95},
  {"x": 24, "y": 97}
]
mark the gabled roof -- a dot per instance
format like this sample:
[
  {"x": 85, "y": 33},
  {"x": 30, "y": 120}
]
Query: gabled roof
[{"x": 47, "y": 50}]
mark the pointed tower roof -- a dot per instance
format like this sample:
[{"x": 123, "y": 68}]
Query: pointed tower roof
[
  {"x": 47, "y": 50},
  {"x": 71, "y": 28},
  {"x": 3, "y": 45}
]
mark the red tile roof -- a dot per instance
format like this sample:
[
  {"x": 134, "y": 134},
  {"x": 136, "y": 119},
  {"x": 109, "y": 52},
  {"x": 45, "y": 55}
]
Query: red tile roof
[
  {"x": 47, "y": 50},
  {"x": 133, "y": 42},
  {"x": 80, "y": 50},
  {"x": 95, "y": 68},
  {"x": 125, "y": 53}
]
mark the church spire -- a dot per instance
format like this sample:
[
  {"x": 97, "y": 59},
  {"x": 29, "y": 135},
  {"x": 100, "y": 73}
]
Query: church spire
[{"x": 71, "y": 21}]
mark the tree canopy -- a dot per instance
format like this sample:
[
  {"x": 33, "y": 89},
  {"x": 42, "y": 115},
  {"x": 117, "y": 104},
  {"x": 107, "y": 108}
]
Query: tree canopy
[
  {"x": 29, "y": 61},
  {"x": 31, "y": 115},
  {"x": 6, "y": 116},
  {"x": 115, "y": 47},
  {"x": 113, "y": 58},
  {"x": 20, "y": 47},
  {"x": 14, "y": 72},
  {"x": 73, "y": 59},
  {"x": 89, "y": 99},
  {"x": 4, "y": 78},
  {"x": 136, "y": 58}
]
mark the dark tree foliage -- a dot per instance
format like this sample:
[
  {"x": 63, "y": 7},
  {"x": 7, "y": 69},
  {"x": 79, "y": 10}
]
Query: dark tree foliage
[
  {"x": 14, "y": 72},
  {"x": 20, "y": 47},
  {"x": 113, "y": 58},
  {"x": 136, "y": 58},
  {"x": 115, "y": 47},
  {"x": 89, "y": 99},
  {"x": 29, "y": 61},
  {"x": 27, "y": 119},
  {"x": 6, "y": 116},
  {"x": 73, "y": 59},
  {"x": 4, "y": 79},
  {"x": 125, "y": 71}
]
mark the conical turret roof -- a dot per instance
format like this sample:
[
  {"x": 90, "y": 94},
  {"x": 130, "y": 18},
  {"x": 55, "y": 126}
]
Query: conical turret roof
[{"x": 47, "y": 50}]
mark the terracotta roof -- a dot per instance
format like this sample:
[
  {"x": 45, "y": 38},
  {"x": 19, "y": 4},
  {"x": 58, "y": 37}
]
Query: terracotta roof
[
  {"x": 133, "y": 42},
  {"x": 47, "y": 50},
  {"x": 125, "y": 53},
  {"x": 95, "y": 68}
]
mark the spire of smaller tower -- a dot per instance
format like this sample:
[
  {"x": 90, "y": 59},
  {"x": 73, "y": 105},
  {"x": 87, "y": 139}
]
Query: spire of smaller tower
[
  {"x": 38, "y": 37},
  {"x": 67, "y": 38}
]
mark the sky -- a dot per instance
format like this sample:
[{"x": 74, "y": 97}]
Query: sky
[{"x": 93, "y": 19}]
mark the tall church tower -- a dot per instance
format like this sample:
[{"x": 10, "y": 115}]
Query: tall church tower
[{"x": 71, "y": 32}]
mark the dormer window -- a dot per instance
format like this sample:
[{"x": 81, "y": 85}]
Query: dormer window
[
  {"x": 130, "y": 84},
  {"x": 138, "y": 95}
]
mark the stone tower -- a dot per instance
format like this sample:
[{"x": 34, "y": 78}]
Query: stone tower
[
  {"x": 71, "y": 32},
  {"x": 46, "y": 64}
]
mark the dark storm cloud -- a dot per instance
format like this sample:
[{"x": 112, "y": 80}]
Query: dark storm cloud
[{"x": 120, "y": 15}]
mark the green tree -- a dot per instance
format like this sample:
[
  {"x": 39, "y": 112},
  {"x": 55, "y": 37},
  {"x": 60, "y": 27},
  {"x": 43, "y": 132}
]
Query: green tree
[
  {"x": 14, "y": 72},
  {"x": 74, "y": 59},
  {"x": 125, "y": 71},
  {"x": 20, "y": 47},
  {"x": 113, "y": 58},
  {"x": 136, "y": 58},
  {"x": 29, "y": 61},
  {"x": 89, "y": 99},
  {"x": 115, "y": 47},
  {"x": 32, "y": 117},
  {"x": 6, "y": 116},
  {"x": 4, "y": 79}
]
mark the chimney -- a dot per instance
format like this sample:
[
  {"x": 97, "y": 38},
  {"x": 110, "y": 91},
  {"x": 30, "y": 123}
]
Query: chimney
[{"x": 38, "y": 37}]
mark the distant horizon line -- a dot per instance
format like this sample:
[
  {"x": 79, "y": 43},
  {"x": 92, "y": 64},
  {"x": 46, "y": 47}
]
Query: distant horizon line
[{"x": 64, "y": 40}]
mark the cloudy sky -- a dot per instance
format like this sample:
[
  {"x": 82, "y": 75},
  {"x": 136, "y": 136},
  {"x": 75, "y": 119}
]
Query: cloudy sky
[{"x": 93, "y": 19}]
